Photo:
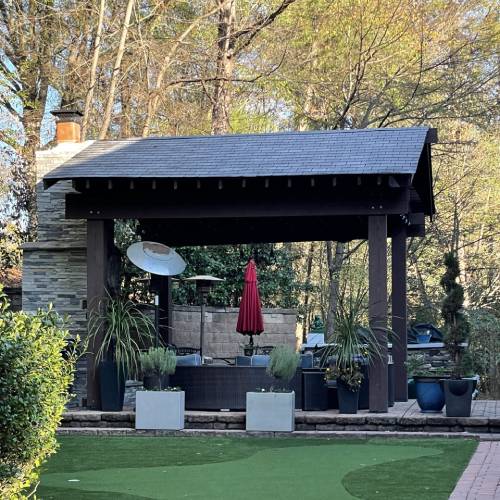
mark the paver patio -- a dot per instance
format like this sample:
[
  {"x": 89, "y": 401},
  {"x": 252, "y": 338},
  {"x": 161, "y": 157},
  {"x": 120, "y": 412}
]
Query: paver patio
[{"x": 481, "y": 478}]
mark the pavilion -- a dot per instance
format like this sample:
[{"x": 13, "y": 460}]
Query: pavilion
[{"x": 341, "y": 185}]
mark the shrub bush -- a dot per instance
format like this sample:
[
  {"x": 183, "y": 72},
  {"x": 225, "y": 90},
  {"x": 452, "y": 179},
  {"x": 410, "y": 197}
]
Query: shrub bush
[
  {"x": 283, "y": 363},
  {"x": 484, "y": 347},
  {"x": 34, "y": 382}
]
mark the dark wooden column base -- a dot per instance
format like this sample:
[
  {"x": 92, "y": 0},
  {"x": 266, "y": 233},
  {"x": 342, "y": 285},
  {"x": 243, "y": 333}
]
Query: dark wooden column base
[
  {"x": 100, "y": 236},
  {"x": 377, "y": 275},
  {"x": 399, "y": 314}
]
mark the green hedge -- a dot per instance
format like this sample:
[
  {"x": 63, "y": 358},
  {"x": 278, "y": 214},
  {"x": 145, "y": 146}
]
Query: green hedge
[{"x": 34, "y": 383}]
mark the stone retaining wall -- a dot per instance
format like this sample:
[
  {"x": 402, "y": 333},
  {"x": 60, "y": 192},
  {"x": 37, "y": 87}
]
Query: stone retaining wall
[{"x": 305, "y": 421}]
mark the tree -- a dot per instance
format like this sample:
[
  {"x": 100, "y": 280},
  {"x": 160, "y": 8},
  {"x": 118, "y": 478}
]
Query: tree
[{"x": 456, "y": 325}]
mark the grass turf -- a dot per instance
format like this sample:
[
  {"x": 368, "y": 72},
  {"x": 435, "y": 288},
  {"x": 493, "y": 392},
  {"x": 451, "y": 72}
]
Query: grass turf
[{"x": 126, "y": 468}]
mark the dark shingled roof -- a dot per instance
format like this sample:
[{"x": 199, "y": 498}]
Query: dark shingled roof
[{"x": 366, "y": 151}]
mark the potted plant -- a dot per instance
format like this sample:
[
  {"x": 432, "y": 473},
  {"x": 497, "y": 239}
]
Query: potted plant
[
  {"x": 427, "y": 384},
  {"x": 156, "y": 364},
  {"x": 274, "y": 410},
  {"x": 457, "y": 389},
  {"x": 118, "y": 328},
  {"x": 159, "y": 406},
  {"x": 352, "y": 347}
]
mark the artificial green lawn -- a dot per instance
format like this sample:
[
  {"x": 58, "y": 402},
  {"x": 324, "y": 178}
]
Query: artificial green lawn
[{"x": 126, "y": 468}]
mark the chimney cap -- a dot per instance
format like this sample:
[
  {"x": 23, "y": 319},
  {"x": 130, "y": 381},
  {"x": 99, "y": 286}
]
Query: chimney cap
[{"x": 66, "y": 115}]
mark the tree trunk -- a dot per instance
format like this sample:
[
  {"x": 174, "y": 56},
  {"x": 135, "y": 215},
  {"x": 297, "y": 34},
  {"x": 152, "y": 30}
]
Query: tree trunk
[
  {"x": 93, "y": 70},
  {"x": 335, "y": 263},
  {"x": 221, "y": 99},
  {"x": 307, "y": 293},
  {"x": 116, "y": 73}
]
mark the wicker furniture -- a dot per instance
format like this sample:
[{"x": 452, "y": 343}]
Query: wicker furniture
[{"x": 216, "y": 387}]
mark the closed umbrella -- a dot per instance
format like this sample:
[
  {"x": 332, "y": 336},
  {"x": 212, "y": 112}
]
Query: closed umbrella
[{"x": 250, "y": 321}]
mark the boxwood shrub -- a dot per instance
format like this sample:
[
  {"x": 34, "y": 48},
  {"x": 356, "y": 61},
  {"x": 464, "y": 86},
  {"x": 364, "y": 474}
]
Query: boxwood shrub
[{"x": 34, "y": 382}]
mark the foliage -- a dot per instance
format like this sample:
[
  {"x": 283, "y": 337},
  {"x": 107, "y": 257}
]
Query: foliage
[
  {"x": 124, "y": 327},
  {"x": 350, "y": 375},
  {"x": 351, "y": 343},
  {"x": 417, "y": 366},
  {"x": 278, "y": 284},
  {"x": 283, "y": 363},
  {"x": 484, "y": 347},
  {"x": 158, "y": 361},
  {"x": 456, "y": 325},
  {"x": 34, "y": 383}
]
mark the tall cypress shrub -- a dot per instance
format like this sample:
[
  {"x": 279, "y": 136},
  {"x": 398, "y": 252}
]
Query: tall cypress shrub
[{"x": 456, "y": 325}]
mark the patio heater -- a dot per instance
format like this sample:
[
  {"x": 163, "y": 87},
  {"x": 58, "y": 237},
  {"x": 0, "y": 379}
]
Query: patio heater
[
  {"x": 203, "y": 286},
  {"x": 157, "y": 259}
]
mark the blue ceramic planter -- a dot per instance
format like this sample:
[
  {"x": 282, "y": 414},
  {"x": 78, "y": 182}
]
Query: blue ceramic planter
[
  {"x": 423, "y": 338},
  {"x": 430, "y": 394}
]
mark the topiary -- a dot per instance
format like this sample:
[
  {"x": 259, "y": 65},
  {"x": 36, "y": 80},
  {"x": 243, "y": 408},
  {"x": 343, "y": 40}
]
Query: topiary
[
  {"x": 283, "y": 363},
  {"x": 456, "y": 325},
  {"x": 158, "y": 361},
  {"x": 34, "y": 382}
]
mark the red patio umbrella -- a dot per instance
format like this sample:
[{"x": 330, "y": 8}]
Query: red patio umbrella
[{"x": 250, "y": 321}]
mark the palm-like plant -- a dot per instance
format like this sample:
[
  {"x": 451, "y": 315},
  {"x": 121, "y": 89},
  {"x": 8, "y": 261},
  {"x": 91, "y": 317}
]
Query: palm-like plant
[
  {"x": 123, "y": 327},
  {"x": 351, "y": 344}
]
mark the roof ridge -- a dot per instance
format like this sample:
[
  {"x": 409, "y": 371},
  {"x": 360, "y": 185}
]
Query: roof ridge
[{"x": 261, "y": 134}]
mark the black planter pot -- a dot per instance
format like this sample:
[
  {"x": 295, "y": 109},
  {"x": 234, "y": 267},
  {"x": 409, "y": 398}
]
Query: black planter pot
[
  {"x": 152, "y": 382},
  {"x": 348, "y": 400},
  {"x": 315, "y": 391},
  {"x": 458, "y": 397},
  {"x": 112, "y": 385}
]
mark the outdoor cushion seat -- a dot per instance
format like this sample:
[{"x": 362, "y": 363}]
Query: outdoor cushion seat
[
  {"x": 260, "y": 360},
  {"x": 243, "y": 361},
  {"x": 306, "y": 360},
  {"x": 189, "y": 360}
]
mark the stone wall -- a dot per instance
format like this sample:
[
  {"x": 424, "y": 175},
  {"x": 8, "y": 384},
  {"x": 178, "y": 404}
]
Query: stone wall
[
  {"x": 221, "y": 338},
  {"x": 54, "y": 266},
  {"x": 435, "y": 358},
  {"x": 15, "y": 297}
]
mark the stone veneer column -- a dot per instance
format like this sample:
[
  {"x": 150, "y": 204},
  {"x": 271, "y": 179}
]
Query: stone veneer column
[{"x": 54, "y": 266}]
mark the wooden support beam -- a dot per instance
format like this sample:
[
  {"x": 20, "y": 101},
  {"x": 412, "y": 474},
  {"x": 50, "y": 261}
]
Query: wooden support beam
[
  {"x": 399, "y": 314},
  {"x": 377, "y": 275},
  {"x": 272, "y": 203},
  {"x": 99, "y": 249}
]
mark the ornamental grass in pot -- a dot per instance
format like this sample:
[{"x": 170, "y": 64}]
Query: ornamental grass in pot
[
  {"x": 274, "y": 410},
  {"x": 117, "y": 327}
]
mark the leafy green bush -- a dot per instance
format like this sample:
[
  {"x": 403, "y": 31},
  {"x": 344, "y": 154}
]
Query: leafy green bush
[
  {"x": 34, "y": 382},
  {"x": 484, "y": 347},
  {"x": 283, "y": 362}
]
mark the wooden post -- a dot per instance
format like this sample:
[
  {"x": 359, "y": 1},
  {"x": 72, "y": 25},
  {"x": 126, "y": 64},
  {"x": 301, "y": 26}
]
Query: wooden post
[
  {"x": 399, "y": 316},
  {"x": 162, "y": 285},
  {"x": 99, "y": 248},
  {"x": 377, "y": 275}
]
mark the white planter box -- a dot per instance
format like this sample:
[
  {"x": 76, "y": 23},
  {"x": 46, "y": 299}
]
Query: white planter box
[
  {"x": 270, "y": 411},
  {"x": 159, "y": 410}
]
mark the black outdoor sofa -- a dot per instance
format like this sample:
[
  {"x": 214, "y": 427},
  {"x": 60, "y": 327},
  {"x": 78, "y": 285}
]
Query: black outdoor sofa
[{"x": 219, "y": 387}]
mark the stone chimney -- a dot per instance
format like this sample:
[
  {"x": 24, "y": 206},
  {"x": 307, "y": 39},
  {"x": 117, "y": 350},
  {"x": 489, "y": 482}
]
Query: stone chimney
[{"x": 68, "y": 125}]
